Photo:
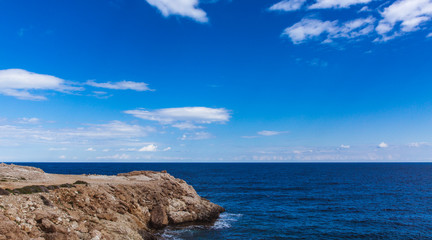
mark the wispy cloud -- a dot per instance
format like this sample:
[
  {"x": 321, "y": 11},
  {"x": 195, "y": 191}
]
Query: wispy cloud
[
  {"x": 196, "y": 136},
  {"x": 419, "y": 144},
  {"x": 184, "y": 8},
  {"x": 418, "y": 151},
  {"x": 113, "y": 131},
  {"x": 186, "y": 126},
  {"x": 100, "y": 94},
  {"x": 308, "y": 29},
  {"x": 396, "y": 19},
  {"x": 25, "y": 120},
  {"x": 337, "y": 3},
  {"x": 122, "y": 85},
  {"x": 365, "y": 9},
  {"x": 249, "y": 137},
  {"x": 115, "y": 157},
  {"x": 25, "y": 85},
  {"x": 121, "y": 157},
  {"x": 57, "y": 149},
  {"x": 410, "y": 14},
  {"x": 270, "y": 133},
  {"x": 20, "y": 84},
  {"x": 287, "y": 5},
  {"x": 184, "y": 117}
]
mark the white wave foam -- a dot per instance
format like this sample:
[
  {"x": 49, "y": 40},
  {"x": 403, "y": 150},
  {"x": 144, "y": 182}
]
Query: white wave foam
[
  {"x": 170, "y": 236},
  {"x": 225, "y": 220}
]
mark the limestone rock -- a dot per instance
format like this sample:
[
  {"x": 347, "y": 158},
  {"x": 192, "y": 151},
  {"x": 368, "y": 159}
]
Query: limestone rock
[
  {"x": 159, "y": 218},
  {"x": 127, "y": 206}
]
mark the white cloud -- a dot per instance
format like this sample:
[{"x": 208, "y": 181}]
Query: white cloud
[
  {"x": 409, "y": 13},
  {"x": 382, "y": 145},
  {"x": 114, "y": 131},
  {"x": 287, "y": 5},
  {"x": 115, "y": 157},
  {"x": 313, "y": 28},
  {"x": 249, "y": 137},
  {"x": 303, "y": 151},
  {"x": 166, "y": 149},
  {"x": 90, "y": 149},
  {"x": 149, "y": 148},
  {"x": 122, "y": 85},
  {"x": 360, "y": 153},
  {"x": 365, "y": 9},
  {"x": 196, "y": 136},
  {"x": 184, "y": 117},
  {"x": 185, "y": 8},
  {"x": 337, "y": 3},
  {"x": 308, "y": 28},
  {"x": 62, "y": 157},
  {"x": 142, "y": 157},
  {"x": 57, "y": 149},
  {"x": 429, "y": 35},
  {"x": 18, "y": 83},
  {"x": 186, "y": 125},
  {"x": 270, "y": 133},
  {"x": 100, "y": 93},
  {"x": 345, "y": 146},
  {"x": 28, "y": 120},
  {"x": 396, "y": 19},
  {"x": 418, "y": 144},
  {"x": 128, "y": 149}
]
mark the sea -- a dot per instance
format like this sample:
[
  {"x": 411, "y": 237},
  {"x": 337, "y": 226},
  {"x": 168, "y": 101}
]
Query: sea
[{"x": 297, "y": 200}]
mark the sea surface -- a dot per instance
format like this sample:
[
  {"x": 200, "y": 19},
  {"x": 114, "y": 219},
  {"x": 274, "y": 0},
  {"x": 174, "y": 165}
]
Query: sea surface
[{"x": 297, "y": 200}]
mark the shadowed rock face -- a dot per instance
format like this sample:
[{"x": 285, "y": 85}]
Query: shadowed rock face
[
  {"x": 4, "y": 192},
  {"x": 129, "y": 206}
]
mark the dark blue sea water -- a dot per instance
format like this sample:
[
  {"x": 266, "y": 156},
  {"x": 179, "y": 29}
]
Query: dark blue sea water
[{"x": 298, "y": 201}]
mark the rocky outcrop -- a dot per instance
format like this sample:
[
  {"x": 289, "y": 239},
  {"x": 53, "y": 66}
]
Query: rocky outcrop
[{"x": 128, "y": 206}]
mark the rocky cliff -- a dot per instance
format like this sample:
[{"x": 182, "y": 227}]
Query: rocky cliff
[{"x": 38, "y": 205}]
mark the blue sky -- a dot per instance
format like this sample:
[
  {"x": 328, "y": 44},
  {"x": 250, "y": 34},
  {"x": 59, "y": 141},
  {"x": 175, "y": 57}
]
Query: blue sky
[{"x": 171, "y": 80}]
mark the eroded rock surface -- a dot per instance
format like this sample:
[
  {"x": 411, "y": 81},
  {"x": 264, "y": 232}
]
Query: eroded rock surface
[{"x": 128, "y": 206}]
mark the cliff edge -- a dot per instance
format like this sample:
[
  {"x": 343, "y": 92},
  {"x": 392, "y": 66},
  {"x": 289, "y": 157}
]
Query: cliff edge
[{"x": 38, "y": 205}]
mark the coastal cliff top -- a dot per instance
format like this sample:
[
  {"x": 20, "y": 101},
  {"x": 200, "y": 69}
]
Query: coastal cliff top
[{"x": 16, "y": 176}]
